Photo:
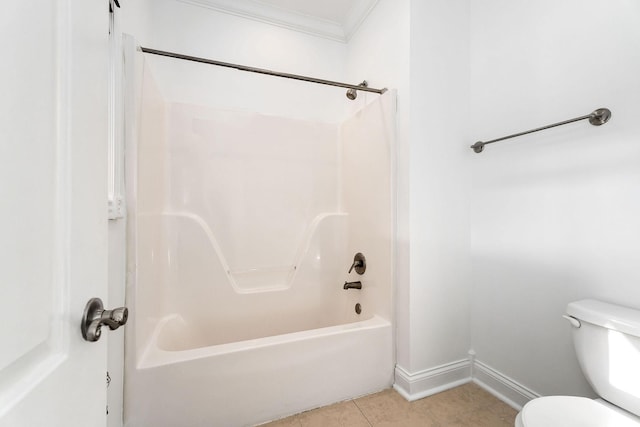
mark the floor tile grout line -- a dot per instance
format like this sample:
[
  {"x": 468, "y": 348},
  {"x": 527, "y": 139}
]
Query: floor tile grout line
[{"x": 362, "y": 412}]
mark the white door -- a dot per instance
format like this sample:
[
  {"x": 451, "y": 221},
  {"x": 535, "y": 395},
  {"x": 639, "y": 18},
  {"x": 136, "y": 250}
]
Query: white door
[{"x": 53, "y": 224}]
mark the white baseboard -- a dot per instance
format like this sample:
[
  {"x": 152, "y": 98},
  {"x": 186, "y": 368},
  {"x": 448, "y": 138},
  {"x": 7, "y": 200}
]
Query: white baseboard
[
  {"x": 431, "y": 381},
  {"x": 501, "y": 386}
]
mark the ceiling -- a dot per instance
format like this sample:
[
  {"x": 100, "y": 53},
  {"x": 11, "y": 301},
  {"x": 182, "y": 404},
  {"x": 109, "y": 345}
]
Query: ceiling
[{"x": 332, "y": 19}]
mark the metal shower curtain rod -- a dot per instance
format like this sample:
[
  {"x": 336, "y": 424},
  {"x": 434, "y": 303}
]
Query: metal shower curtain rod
[
  {"x": 261, "y": 70},
  {"x": 596, "y": 118}
]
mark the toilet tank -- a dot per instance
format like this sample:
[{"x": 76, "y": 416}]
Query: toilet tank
[{"x": 607, "y": 344}]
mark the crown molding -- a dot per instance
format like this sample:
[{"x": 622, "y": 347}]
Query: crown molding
[
  {"x": 291, "y": 20},
  {"x": 356, "y": 17}
]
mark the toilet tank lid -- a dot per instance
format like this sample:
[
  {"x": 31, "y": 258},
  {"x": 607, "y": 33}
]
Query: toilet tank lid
[{"x": 610, "y": 316}]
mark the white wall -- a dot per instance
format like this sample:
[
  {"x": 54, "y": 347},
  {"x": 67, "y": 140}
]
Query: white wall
[
  {"x": 439, "y": 186},
  {"x": 422, "y": 49},
  {"x": 503, "y": 240},
  {"x": 555, "y": 214},
  {"x": 135, "y": 19}
]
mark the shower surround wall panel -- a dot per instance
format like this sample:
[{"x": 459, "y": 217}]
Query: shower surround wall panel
[
  {"x": 368, "y": 169},
  {"x": 258, "y": 182},
  {"x": 243, "y": 228}
]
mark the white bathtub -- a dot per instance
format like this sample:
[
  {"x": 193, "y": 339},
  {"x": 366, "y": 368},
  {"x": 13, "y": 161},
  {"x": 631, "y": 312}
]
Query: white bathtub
[{"x": 254, "y": 381}]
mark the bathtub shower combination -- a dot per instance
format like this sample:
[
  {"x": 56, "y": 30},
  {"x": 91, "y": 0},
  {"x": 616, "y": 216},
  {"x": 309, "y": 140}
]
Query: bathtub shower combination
[{"x": 242, "y": 229}]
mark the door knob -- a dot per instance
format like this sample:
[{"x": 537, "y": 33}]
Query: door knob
[{"x": 95, "y": 316}]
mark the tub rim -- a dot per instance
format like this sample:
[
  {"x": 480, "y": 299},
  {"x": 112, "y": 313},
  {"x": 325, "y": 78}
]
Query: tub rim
[{"x": 153, "y": 356}]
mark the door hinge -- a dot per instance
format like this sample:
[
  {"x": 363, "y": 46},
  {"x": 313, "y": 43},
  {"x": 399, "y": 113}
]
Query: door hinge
[{"x": 108, "y": 384}]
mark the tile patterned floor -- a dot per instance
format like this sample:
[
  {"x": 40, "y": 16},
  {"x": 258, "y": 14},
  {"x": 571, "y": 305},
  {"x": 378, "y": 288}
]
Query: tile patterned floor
[{"x": 464, "y": 406}]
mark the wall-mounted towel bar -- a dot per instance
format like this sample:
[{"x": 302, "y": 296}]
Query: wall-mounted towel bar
[{"x": 597, "y": 118}]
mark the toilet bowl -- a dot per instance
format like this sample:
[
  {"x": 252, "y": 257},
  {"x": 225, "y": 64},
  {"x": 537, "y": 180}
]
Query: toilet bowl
[
  {"x": 569, "y": 411},
  {"x": 606, "y": 339}
]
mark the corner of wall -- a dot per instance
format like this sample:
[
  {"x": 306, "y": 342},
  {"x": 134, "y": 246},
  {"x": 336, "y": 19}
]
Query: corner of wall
[
  {"x": 414, "y": 386},
  {"x": 504, "y": 388}
]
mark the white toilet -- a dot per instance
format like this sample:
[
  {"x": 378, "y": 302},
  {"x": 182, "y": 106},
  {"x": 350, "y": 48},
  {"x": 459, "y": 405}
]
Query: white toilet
[{"x": 606, "y": 338}]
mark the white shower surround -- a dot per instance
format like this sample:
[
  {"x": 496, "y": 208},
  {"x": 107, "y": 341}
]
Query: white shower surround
[{"x": 227, "y": 330}]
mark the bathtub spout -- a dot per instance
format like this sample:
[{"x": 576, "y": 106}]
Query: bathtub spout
[{"x": 352, "y": 285}]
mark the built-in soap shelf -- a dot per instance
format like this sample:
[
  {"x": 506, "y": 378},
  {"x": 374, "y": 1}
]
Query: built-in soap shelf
[
  {"x": 254, "y": 280},
  {"x": 272, "y": 278}
]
